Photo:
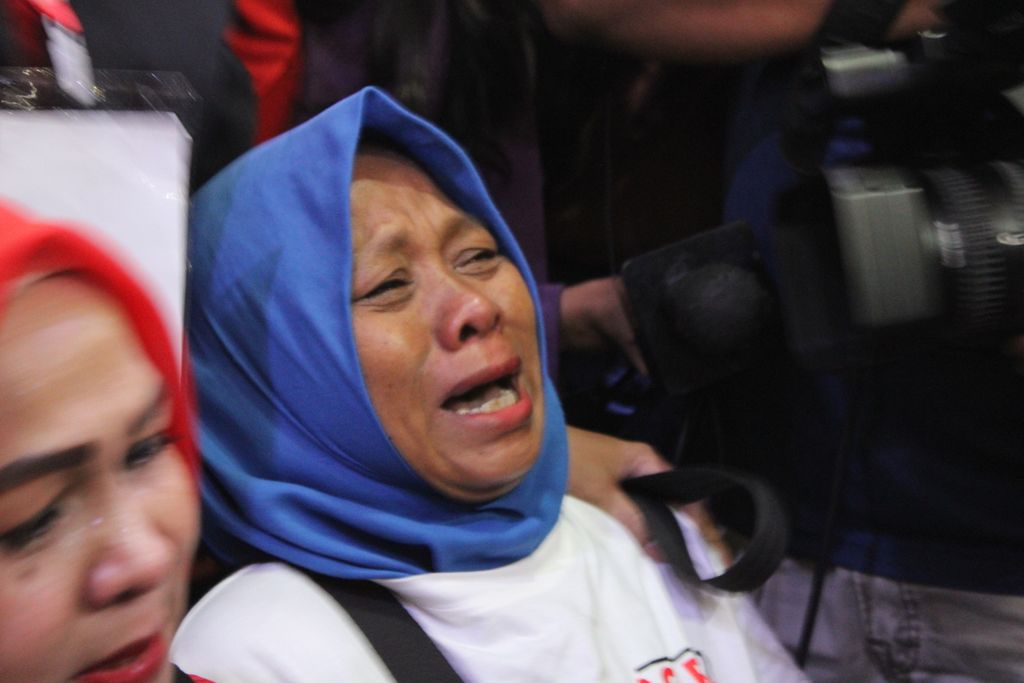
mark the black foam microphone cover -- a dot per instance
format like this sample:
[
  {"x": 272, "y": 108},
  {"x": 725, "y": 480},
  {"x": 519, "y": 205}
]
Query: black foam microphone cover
[
  {"x": 719, "y": 308},
  {"x": 701, "y": 307}
]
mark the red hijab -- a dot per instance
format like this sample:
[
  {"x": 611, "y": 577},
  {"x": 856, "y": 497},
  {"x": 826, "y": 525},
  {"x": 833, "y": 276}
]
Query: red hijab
[{"x": 28, "y": 246}]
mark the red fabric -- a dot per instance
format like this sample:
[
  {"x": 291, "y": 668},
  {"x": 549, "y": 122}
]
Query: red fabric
[
  {"x": 267, "y": 38},
  {"x": 59, "y": 11},
  {"x": 29, "y": 247},
  {"x": 27, "y": 33}
]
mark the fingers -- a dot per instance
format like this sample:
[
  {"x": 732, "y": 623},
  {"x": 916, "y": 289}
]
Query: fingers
[
  {"x": 594, "y": 316},
  {"x": 598, "y": 462},
  {"x": 917, "y": 15},
  {"x": 710, "y": 531},
  {"x": 622, "y": 508},
  {"x": 639, "y": 459},
  {"x": 623, "y": 330}
]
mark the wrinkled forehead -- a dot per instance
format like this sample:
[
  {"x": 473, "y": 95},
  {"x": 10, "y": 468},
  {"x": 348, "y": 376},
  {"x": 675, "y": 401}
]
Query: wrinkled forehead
[{"x": 389, "y": 188}]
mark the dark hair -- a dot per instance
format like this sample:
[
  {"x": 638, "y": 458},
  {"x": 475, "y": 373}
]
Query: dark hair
[{"x": 489, "y": 63}]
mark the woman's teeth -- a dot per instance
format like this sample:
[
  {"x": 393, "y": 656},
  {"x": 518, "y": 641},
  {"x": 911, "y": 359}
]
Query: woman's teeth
[
  {"x": 486, "y": 398},
  {"x": 504, "y": 398}
]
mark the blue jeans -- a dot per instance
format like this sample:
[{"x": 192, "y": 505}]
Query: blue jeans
[{"x": 875, "y": 629}]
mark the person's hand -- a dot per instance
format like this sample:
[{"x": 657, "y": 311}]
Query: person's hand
[
  {"x": 593, "y": 317},
  {"x": 916, "y": 15},
  {"x": 598, "y": 462}
]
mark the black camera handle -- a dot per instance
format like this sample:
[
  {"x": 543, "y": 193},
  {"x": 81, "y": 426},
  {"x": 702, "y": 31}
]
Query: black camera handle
[
  {"x": 767, "y": 543},
  {"x": 807, "y": 121},
  {"x": 860, "y": 381}
]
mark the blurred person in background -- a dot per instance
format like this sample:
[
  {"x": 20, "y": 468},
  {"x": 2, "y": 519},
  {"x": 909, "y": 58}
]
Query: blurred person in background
[
  {"x": 925, "y": 581},
  {"x": 98, "y": 493}
]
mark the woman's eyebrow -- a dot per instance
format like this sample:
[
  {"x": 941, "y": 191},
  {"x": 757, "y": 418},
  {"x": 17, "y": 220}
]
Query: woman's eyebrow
[
  {"x": 32, "y": 467},
  {"x": 150, "y": 411},
  {"x": 460, "y": 225},
  {"x": 394, "y": 239}
]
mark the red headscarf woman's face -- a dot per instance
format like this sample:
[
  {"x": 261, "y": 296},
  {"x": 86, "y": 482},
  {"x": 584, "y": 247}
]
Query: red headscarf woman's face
[{"x": 98, "y": 509}]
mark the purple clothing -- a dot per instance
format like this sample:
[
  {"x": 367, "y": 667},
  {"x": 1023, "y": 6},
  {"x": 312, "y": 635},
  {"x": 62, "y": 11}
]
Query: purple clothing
[
  {"x": 336, "y": 64},
  {"x": 550, "y": 296}
]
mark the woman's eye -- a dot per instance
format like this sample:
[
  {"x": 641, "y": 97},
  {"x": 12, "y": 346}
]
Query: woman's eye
[
  {"x": 478, "y": 261},
  {"x": 25, "y": 533},
  {"x": 387, "y": 291},
  {"x": 143, "y": 451}
]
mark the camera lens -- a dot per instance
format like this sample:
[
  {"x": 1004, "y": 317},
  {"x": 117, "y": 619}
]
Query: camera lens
[{"x": 978, "y": 222}]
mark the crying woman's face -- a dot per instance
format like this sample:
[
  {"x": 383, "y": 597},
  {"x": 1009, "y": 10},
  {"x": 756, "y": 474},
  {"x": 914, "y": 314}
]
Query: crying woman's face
[
  {"x": 98, "y": 512},
  {"x": 446, "y": 333}
]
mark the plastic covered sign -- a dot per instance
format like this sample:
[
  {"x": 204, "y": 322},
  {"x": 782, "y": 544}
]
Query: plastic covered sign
[{"x": 119, "y": 170}]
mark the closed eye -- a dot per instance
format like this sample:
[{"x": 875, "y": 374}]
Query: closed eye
[
  {"x": 384, "y": 288},
  {"x": 481, "y": 261},
  {"x": 391, "y": 290},
  {"x": 23, "y": 535},
  {"x": 145, "y": 450}
]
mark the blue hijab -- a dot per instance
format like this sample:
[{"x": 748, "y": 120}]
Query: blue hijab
[{"x": 297, "y": 464}]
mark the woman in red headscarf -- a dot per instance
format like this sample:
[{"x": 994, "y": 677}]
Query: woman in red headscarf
[{"x": 98, "y": 508}]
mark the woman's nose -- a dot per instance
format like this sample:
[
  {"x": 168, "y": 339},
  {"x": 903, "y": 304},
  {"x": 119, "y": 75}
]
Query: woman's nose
[
  {"x": 132, "y": 557},
  {"x": 466, "y": 313}
]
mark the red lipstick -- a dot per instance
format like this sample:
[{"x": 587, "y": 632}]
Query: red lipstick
[{"x": 139, "y": 662}]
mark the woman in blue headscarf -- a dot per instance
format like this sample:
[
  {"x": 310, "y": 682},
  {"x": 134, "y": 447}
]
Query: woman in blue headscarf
[{"x": 373, "y": 407}]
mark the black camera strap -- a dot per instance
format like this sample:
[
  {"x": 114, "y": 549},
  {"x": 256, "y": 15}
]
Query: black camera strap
[{"x": 767, "y": 545}]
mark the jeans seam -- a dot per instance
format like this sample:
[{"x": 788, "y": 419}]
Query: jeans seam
[
  {"x": 908, "y": 635},
  {"x": 874, "y": 646}
]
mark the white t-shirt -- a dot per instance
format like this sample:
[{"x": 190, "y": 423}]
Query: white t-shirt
[{"x": 588, "y": 605}]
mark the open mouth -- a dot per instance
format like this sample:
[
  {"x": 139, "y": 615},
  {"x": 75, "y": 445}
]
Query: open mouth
[{"x": 488, "y": 397}]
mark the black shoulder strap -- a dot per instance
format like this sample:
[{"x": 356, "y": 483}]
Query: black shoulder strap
[
  {"x": 767, "y": 544},
  {"x": 403, "y": 646},
  {"x": 409, "y": 653}
]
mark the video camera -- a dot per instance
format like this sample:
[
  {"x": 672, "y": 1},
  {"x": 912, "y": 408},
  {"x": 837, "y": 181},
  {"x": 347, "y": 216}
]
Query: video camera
[{"x": 921, "y": 242}]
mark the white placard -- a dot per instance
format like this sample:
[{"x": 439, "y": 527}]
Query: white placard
[{"x": 123, "y": 175}]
